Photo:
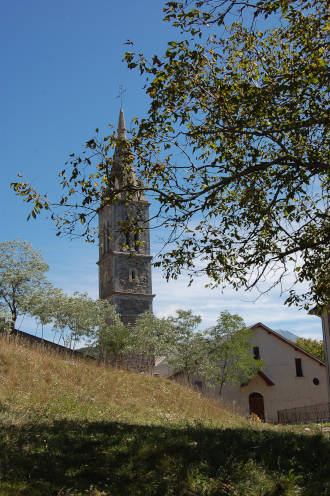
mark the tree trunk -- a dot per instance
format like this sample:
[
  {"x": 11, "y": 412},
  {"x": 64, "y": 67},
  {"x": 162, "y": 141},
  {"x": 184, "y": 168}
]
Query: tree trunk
[{"x": 13, "y": 322}]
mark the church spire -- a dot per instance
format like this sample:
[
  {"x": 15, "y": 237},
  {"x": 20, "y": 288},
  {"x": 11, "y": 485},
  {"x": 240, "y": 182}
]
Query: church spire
[
  {"x": 118, "y": 168},
  {"x": 123, "y": 168},
  {"x": 121, "y": 131}
]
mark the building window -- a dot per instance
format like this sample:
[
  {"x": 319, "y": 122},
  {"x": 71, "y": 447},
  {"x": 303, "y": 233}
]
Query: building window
[
  {"x": 256, "y": 352},
  {"x": 299, "y": 372}
]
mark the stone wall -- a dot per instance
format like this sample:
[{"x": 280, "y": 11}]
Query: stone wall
[
  {"x": 135, "y": 362},
  {"x": 27, "y": 338}
]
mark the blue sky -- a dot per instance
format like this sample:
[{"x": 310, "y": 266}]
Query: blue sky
[{"x": 61, "y": 69}]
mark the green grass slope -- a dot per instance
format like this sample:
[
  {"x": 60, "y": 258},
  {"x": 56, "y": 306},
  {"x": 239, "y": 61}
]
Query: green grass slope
[{"x": 70, "y": 427}]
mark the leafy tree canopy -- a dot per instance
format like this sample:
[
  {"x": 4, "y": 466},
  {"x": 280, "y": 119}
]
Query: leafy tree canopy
[
  {"x": 219, "y": 355},
  {"x": 22, "y": 277},
  {"x": 75, "y": 317},
  {"x": 229, "y": 352},
  {"x": 151, "y": 336},
  {"x": 189, "y": 351},
  {"x": 313, "y": 346},
  {"x": 234, "y": 148}
]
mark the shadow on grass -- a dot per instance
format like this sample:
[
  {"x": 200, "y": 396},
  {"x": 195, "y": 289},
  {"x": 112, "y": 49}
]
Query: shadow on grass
[{"x": 67, "y": 457}]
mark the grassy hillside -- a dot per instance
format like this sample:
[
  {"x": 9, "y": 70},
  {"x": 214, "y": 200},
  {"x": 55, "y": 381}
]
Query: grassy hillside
[{"x": 70, "y": 427}]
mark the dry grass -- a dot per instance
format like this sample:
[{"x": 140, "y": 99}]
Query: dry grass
[
  {"x": 38, "y": 381},
  {"x": 69, "y": 427}
]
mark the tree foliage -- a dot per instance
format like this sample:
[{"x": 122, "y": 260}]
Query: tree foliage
[
  {"x": 313, "y": 346},
  {"x": 45, "y": 306},
  {"x": 219, "y": 355},
  {"x": 78, "y": 317},
  {"x": 229, "y": 358},
  {"x": 22, "y": 277},
  {"x": 24, "y": 289},
  {"x": 188, "y": 353},
  {"x": 151, "y": 336},
  {"x": 234, "y": 148},
  {"x": 110, "y": 334}
]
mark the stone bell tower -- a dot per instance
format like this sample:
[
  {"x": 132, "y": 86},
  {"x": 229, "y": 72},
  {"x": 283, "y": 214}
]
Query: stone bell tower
[{"x": 124, "y": 257}]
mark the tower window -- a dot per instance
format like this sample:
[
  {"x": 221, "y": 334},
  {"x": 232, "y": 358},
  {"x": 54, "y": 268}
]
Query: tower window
[
  {"x": 256, "y": 352},
  {"x": 133, "y": 275},
  {"x": 299, "y": 372},
  {"x": 136, "y": 241}
]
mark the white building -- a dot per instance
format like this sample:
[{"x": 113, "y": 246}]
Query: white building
[{"x": 291, "y": 378}]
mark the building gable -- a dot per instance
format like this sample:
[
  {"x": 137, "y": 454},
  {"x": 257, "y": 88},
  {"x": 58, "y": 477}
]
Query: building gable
[{"x": 276, "y": 335}]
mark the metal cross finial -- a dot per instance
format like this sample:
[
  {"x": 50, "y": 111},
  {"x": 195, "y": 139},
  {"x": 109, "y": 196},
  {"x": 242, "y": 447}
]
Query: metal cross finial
[{"x": 121, "y": 93}]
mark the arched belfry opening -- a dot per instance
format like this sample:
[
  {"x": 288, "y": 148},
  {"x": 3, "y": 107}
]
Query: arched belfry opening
[{"x": 124, "y": 253}]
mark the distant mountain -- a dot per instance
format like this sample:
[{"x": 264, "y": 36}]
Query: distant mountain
[
  {"x": 89, "y": 351},
  {"x": 287, "y": 334}
]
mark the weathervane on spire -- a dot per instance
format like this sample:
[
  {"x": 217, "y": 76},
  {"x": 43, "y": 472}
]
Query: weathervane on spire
[{"x": 121, "y": 93}]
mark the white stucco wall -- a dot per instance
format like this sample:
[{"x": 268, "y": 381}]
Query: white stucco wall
[{"x": 289, "y": 391}]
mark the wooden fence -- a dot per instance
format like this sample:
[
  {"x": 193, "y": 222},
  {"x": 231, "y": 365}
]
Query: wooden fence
[{"x": 305, "y": 414}]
